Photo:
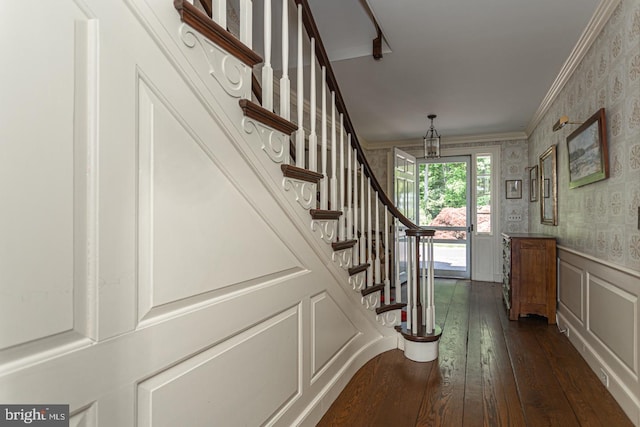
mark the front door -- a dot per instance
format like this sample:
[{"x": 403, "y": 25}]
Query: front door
[{"x": 444, "y": 205}]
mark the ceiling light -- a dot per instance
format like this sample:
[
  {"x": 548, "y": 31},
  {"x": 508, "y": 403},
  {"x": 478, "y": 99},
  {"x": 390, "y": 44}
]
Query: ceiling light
[{"x": 432, "y": 141}]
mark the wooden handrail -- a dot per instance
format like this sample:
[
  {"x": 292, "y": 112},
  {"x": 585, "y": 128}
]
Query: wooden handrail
[{"x": 332, "y": 83}]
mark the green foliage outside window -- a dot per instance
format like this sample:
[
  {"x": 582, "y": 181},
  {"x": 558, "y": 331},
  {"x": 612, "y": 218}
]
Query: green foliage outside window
[{"x": 448, "y": 188}]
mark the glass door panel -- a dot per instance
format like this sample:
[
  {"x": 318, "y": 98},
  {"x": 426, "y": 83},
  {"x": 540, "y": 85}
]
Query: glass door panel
[{"x": 444, "y": 206}]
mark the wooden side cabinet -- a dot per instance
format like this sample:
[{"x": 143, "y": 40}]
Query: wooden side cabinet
[{"x": 529, "y": 275}]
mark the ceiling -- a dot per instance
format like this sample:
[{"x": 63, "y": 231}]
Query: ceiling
[{"x": 484, "y": 67}]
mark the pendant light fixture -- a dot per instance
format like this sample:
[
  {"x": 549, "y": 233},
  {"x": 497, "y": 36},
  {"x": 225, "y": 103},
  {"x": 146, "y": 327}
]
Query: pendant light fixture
[{"x": 432, "y": 141}]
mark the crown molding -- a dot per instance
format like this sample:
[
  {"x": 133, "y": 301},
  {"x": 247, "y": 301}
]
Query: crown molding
[
  {"x": 445, "y": 140},
  {"x": 600, "y": 17}
]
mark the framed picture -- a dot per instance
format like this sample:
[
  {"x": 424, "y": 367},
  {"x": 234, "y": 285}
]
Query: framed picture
[
  {"x": 588, "y": 155},
  {"x": 533, "y": 184},
  {"x": 513, "y": 188}
]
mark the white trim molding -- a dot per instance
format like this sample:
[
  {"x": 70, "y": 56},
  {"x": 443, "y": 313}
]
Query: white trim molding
[
  {"x": 589, "y": 35},
  {"x": 598, "y": 311}
]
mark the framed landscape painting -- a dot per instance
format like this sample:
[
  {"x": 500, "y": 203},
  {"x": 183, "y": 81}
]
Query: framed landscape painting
[{"x": 587, "y": 148}]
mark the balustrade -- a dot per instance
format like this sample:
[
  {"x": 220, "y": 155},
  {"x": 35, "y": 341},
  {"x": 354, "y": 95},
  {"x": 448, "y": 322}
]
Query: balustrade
[{"x": 348, "y": 184}]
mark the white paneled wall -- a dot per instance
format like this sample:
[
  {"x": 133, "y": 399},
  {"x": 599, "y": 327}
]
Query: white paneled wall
[
  {"x": 598, "y": 307},
  {"x": 154, "y": 271}
]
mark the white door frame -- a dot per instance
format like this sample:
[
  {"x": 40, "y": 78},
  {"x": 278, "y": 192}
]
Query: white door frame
[{"x": 486, "y": 258}]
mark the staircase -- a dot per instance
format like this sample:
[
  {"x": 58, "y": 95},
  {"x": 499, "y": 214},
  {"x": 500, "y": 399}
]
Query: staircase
[{"x": 324, "y": 167}]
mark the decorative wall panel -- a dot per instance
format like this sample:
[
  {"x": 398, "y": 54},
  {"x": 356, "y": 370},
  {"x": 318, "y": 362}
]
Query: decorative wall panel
[
  {"x": 612, "y": 316},
  {"x": 197, "y": 231},
  {"x": 211, "y": 385},
  {"x": 331, "y": 330},
  {"x": 47, "y": 136},
  {"x": 572, "y": 290}
]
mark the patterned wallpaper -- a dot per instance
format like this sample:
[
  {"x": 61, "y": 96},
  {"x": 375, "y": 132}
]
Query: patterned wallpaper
[
  {"x": 514, "y": 166},
  {"x": 600, "y": 219}
]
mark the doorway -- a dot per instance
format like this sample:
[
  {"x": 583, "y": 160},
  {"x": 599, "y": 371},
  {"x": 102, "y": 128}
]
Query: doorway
[{"x": 444, "y": 204}]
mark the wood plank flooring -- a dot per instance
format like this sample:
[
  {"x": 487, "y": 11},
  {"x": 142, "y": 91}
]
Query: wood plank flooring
[{"x": 490, "y": 372}]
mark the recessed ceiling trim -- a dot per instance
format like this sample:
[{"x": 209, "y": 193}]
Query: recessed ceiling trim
[{"x": 594, "y": 27}]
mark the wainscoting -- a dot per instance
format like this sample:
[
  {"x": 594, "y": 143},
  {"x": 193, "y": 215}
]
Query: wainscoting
[{"x": 598, "y": 308}]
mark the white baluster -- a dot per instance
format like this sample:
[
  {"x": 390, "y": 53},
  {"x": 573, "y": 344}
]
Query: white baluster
[
  {"x": 267, "y": 70},
  {"x": 313, "y": 137},
  {"x": 396, "y": 246},
  {"x": 334, "y": 151},
  {"x": 219, "y": 12},
  {"x": 363, "y": 223},
  {"x": 369, "y": 237},
  {"x": 356, "y": 247},
  {"x": 414, "y": 284},
  {"x": 349, "y": 209},
  {"x": 409, "y": 264},
  {"x": 285, "y": 84},
  {"x": 424, "y": 295},
  {"x": 431, "y": 309},
  {"x": 246, "y": 22},
  {"x": 378, "y": 243},
  {"x": 343, "y": 220},
  {"x": 387, "y": 282},
  {"x": 324, "y": 183},
  {"x": 300, "y": 96}
]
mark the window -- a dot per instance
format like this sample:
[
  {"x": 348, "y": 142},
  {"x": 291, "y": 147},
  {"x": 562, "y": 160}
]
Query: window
[{"x": 483, "y": 194}]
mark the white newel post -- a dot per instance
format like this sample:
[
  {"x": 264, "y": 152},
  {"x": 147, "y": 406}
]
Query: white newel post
[
  {"x": 409, "y": 283},
  {"x": 424, "y": 297},
  {"x": 313, "y": 137},
  {"x": 300, "y": 152},
  {"x": 431, "y": 308},
  {"x": 267, "y": 70}
]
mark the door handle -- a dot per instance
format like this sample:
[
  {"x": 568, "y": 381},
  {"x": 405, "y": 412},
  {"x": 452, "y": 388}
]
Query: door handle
[{"x": 470, "y": 228}]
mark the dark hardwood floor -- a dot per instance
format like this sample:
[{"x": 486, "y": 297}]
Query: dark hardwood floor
[{"x": 491, "y": 372}]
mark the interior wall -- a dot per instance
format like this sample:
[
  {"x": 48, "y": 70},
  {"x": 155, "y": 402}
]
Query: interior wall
[
  {"x": 597, "y": 231},
  {"x": 600, "y": 219},
  {"x": 156, "y": 269}
]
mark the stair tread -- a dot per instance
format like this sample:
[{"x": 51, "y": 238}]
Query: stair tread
[
  {"x": 324, "y": 214},
  {"x": 266, "y": 117},
  {"x": 372, "y": 289},
  {"x": 193, "y": 17},
  {"x": 390, "y": 307},
  {"x": 344, "y": 244},
  {"x": 358, "y": 269},
  {"x": 294, "y": 172}
]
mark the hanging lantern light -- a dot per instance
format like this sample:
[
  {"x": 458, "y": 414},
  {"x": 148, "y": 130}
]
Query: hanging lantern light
[{"x": 432, "y": 141}]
